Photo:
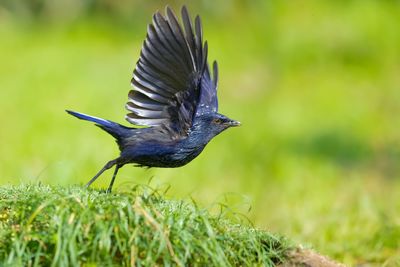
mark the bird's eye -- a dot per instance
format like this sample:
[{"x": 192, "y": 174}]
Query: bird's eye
[{"x": 217, "y": 121}]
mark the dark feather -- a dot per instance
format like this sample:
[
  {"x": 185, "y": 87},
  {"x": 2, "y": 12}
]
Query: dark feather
[
  {"x": 215, "y": 74},
  {"x": 199, "y": 42},
  {"x": 142, "y": 100},
  {"x": 171, "y": 81},
  {"x": 138, "y": 120},
  {"x": 187, "y": 23}
]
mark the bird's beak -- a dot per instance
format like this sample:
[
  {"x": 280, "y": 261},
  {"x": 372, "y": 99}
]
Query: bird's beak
[{"x": 234, "y": 123}]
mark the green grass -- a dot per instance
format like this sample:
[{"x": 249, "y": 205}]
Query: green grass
[
  {"x": 42, "y": 225},
  {"x": 315, "y": 84}
]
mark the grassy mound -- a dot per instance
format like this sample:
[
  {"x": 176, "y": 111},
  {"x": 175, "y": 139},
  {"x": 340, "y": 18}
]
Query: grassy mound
[{"x": 44, "y": 225}]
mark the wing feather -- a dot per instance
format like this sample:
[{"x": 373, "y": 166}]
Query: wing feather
[
  {"x": 199, "y": 41},
  {"x": 138, "y": 120},
  {"x": 150, "y": 77},
  {"x": 151, "y": 114},
  {"x": 149, "y": 93},
  {"x": 144, "y": 101},
  {"x": 171, "y": 80},
  {"x": 161, "y": 64},
  {"x": 154, "y": 86},
  {"x": 215, "y": 74},
  {"x": 188, "y": 30}
]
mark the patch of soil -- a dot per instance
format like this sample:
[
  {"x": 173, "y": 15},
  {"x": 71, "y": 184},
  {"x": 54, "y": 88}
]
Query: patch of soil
[{"x": 308, "y": 258}]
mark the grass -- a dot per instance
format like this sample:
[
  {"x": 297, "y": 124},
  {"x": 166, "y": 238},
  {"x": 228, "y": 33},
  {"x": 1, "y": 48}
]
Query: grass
[
  {"x": 314, "y": 83},
  {"x": 42, "y": 225}
]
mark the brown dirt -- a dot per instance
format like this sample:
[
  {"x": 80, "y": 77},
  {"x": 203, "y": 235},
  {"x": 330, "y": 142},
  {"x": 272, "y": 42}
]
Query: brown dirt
[{"x": 309, "y": 258}]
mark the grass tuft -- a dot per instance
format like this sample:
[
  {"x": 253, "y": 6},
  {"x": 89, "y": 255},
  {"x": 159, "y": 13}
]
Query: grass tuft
[{"x": 71, "y": 226}]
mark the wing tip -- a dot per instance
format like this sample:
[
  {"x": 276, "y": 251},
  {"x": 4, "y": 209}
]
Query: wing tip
[
  {"x": 197, "y": 21},
  {"x": 157, "y": 16},
  {"x": 168, "y": 9},
  {"x": 215, "y": 73}
]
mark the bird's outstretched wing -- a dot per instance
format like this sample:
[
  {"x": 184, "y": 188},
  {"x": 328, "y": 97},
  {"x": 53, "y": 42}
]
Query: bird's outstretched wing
[{"x": 170, "y": 74}]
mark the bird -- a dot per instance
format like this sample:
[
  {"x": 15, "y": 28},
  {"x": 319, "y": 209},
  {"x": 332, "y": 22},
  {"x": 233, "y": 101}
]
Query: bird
[{"x": 173, "y": 105}]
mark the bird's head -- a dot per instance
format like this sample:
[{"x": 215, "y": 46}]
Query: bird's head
[
  {"x": 219, "y": 121},
  {"x": 213, "y": 124}
]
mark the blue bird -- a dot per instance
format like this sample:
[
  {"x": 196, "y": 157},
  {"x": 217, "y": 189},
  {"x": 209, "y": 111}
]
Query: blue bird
[{"x": 174, "y": 96}]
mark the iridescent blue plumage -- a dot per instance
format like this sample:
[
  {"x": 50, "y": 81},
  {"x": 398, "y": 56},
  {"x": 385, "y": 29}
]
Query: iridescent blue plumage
[{"x": 174, "y": 96}]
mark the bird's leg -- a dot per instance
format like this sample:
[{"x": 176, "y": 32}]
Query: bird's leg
[
  {"x": 106, "y": 167},
  {"x": 113, "y": 178}
]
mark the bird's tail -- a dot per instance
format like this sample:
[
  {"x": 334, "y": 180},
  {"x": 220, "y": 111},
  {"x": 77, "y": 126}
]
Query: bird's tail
[{"x": 117, "y": 130}]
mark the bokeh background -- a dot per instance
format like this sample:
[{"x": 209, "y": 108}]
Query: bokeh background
[{"x": 316, "y": 85}]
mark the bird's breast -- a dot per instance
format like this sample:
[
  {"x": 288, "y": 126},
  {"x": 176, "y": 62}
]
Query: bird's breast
[{"x": 161, "y": 154}]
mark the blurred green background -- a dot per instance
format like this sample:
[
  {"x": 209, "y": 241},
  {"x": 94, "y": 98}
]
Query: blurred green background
[{"x": 316, "y": 85}]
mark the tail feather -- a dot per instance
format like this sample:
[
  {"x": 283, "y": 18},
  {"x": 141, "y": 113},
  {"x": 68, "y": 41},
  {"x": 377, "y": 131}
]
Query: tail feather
[
  {"x": 113, "y": 128},
  {"x": 91, "y": 118}
]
